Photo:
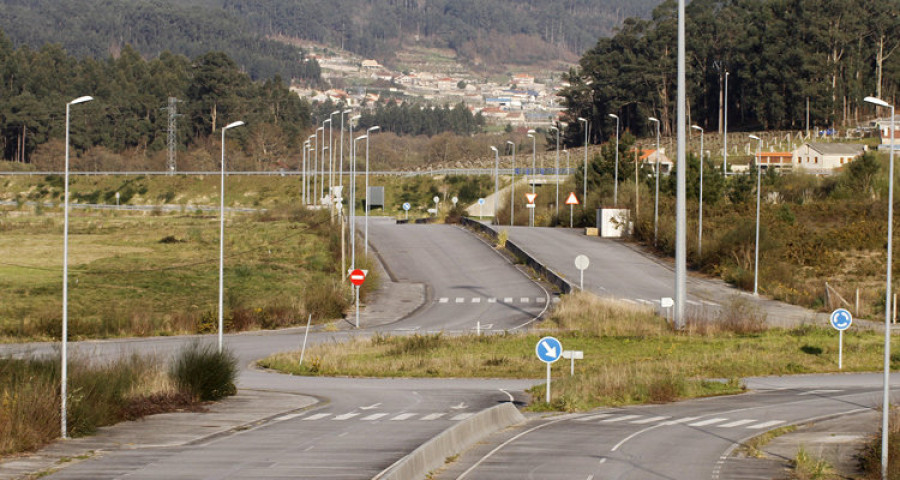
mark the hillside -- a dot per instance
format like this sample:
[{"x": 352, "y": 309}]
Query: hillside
[{"x": 484, "y": 33}]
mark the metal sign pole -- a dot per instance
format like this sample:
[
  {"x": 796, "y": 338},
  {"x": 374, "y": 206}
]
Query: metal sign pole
[
  {"x": 303, "y": 349},
  {"x": 357, "y": 307},
  {"x": 841, "y": 350},
  {"x": 548, "y": 382}
]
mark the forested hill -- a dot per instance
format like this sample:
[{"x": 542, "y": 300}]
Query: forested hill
[
  {"x": 100, "y": 28},
  {"x": 483, "y": 32}
]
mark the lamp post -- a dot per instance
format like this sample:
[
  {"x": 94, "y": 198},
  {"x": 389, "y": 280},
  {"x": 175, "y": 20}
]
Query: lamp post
[
  {"x": 327, "y": 160},
  {"x": 725, "y": 124},
  {"x": 616, "y": 174},
  {"x": 700, "y": 213},
  {"x": 656, "y": 201},
  {"x": 341, "y": 163},
  {"x": 316, "y": 172},
  {"x": 355, "y": 149},
  {"x": 584, "y": 180},
  {"x": 531, "y": 135},
  {"x": 557, "y": 171},
  {"x": 309, "y": 166},
  {"x": 368, "y": 133},
  {"x": 65, "y": 299},
  {"x": 512, "y": 195},
  {"x": 496, "y": 180},
  {"x": 886, "y": 400},
  {"x": 303, "y": 174},
  {"x": 222, "y": 229},
  {"x": 758, "y": 187}
]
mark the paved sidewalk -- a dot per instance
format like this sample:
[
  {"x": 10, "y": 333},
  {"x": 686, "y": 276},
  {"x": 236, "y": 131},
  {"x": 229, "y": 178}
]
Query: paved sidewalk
[{"x": 247, "y": 409}]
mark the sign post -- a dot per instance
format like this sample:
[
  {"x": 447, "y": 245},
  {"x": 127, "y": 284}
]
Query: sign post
[
  {"x": 581, "y": 263},
  {"x": 357, "y": 278},
  {"x": 480, "y": 208},
  {"x": 841, "y": 320},
  {"x": 573, "y": 355},
  {"x": 667, "y": 303},
  {"x": 571, "y": 202},
  {"x": 548, "y": 350},
  {"x": 530, "y": 197},
  {"x": 436, "y": 201},
  {"x": 406, "y": 207}
]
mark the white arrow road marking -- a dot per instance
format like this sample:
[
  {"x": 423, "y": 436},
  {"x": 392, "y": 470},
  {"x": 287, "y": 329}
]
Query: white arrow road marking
[
  {"x": 374, "y": 405},
  {"x": 461, "y": 406},
  {"x": 551, "y": 351},
  {"x": 433, "y": 416}
]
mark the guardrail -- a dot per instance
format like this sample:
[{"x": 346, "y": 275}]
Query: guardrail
[{"x": 138, "y": 208}]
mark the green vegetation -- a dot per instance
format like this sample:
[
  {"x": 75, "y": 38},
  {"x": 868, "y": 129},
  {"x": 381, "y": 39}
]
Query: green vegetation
[
  {"x": 870, "y": 456},
  {"x": 157, "y": 273},
  {"x": 753, "y": 447},
  {"x": 102, "y": 394},
  {"x": 205, "y": 372},
  {"x": 631, "y": 356},
  {"x": 411, "y": 119},
  {"x": 808, "y": 467}
]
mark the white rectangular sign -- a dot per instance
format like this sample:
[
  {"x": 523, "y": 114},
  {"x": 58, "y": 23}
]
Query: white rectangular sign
[{"x": 573, "y": 354}]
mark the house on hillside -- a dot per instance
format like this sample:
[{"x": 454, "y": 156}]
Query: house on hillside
[
  {"x": 884, "y": 131},
  {"x": 825, "y": 158},
  {"x": 649, "y": 159},
  {"x": 523, "y": 79},
  {"x": 370, "y": 65},
  {"x": 779, "y": 161}
]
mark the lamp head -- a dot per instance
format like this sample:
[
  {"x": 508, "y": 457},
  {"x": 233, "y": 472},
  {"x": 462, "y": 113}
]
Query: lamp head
[
  {"x": 582, "y": 119},
  {"x": 613, "y": 115},
  {"x": 335, "y": 112},
  {"x": 347, "y": 111},
  {"x": 554, "y": 128},
  {"x": 877, "y": 101},
  {"x": 361, "y": 137},
  {"x": 530, "y": 136},
  {"x": 755, "y": 137},
  {"x": 510, "y": 142},
  {"x": 531, "y": 131},
  {"x": 653, "y": 119},
  {"x": 83, "y": 99},
  {"x": 234, "y": 124},
  {"x": 695, "y": 127},
  {"x": 494, "y": 149},
  {"x": 355, "y": 118},
  {"x": 372, "y": 129}
]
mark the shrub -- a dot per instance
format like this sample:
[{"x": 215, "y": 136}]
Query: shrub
[{"x": 205, "y": 372}]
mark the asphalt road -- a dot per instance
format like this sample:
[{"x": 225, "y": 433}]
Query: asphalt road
[{"x": 680, "y": 441}]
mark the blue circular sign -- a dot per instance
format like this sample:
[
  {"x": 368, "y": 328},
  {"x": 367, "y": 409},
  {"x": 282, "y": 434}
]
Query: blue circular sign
[
  {"x": 406, "y": 206},
  {"x": 841, "y": 319},
  {"x": 548, "y": 349},
  {"x": 481, "y": 201}
]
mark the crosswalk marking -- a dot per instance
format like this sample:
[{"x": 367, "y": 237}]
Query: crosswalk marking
[
  {"x": 765, "y": 425},
  {"x": 375, "y": 416},
  {"x": 289, "y": 416},
  {"x": 680, "y": 420},
  {"x": 433, "y": 416},
  {"x": 460, "y": 299},
  {"x": 443, "y": 300},
  {"x": 525, "y": 300},
  {"x": 317, "y": 416},
  {"x": 703, "y": 423},
  {"x": 346, "y": 416},
  {"x": 644, "y": 421},
  {"x": 736, "y": 423},
  {"x": 594, "y": 417},
  {"x": 507, "y": 300},
  {"x": 621, "y": 419},
  {"x": 462, "y": 416},
  {"x": 403, "y": 416},
  {"x": 476, "y": 300},
  {"x": 492, "y": 300}
]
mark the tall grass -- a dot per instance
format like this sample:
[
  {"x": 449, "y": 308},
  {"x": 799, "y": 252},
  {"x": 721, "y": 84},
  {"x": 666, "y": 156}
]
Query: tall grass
[{"x": 205, "y": 372}]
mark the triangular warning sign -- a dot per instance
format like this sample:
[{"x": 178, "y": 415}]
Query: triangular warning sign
[
  {"x": 572, "y": 200},
  {"x": 530, "y": 197}
]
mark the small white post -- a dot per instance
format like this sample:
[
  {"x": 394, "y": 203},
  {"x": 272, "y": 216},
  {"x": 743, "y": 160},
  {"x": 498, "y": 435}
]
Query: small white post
[
  {"x": 303, "y": 349},
  {"x": 582, "y": 280},
  {"x": 857, "y": 303},
  {"x": 548, "y": 382},
  {"x": 840, "y": 350},
  {"x": 571, "y": 215},
  {"x": 572, "y": 371},
  {"x": 478, "y": 328},
  {"x": 357, "y": 307}
]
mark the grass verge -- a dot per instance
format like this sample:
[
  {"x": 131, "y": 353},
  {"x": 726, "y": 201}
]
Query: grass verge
[{"x": 630, "y": 355}]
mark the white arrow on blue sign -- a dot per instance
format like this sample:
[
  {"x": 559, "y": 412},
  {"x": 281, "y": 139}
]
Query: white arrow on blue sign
[
  {"x": 548, "y": 349},
  {"x": 406, "y": 206},
  {"x": 841, "y": 319}
]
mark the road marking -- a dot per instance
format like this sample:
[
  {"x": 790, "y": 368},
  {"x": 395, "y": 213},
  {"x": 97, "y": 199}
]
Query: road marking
[
  {"x": 443, "y": 300},
  {"x": 711, "y": 304},
  {"x": 507, "y": 300},
  {"x": 737, "y": 423},
  {"x": 679, "y": 420},
  {"x": 819, "y": 392},
  {"x": 525, "y": 300},
  {"x": 317, "y": 416},
  {"x": 289, "y": 416},
  {"x": 460, "y": 299},
  {"x": 433, "y": 416},
  {"x": 765, "y": 425},
  {"x": 462, "y": 416},
  {"x": 593, "y": 417},
  {"x": 403, "y": 416},
  {"x": 703, "y": 423},
  {"x": 492, "y": 300},
  {"x": 346, "y": 416},
  {"x": 374, "y": 405},
  {"x": 476, "y": 300},
  {"x": 375, "y": 416},
  {"x": 620, "y": 419},
  {"x": 406, "y": 329},
  {"x": 644, "y": 421},
  {"x": 511, "y": 398},
  {"x": 309, "y": 448},
  {"x": 646, "y": 302},
  {"x": 556, "y": 299},
  {"x": 692, "y": 302},
  {"x": 540, "y": 299}
]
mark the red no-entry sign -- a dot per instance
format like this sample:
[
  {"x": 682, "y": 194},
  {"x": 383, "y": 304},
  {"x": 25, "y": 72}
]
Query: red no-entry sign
[{"x": 357, "y": 277}]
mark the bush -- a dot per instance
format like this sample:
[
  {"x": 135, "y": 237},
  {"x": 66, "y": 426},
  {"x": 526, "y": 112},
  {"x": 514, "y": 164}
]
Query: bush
[{"x": 205, "y": 372}]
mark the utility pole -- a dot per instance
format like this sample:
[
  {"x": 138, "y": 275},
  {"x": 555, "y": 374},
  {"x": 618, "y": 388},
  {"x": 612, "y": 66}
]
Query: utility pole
[{"x": 172, "y": 137}]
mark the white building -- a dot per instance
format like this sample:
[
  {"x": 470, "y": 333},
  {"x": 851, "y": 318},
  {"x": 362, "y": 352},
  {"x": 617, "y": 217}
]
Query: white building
[{"x": 826, "y": 158}]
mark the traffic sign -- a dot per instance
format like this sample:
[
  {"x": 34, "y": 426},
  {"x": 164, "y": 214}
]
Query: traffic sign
[
  {"x": 548, "y": 350},
  {"x": 481, "y": 201},
  {"x": 407, "y": 206},
  {"x": 454, "y": 200},
  {"x": 530, "y": 197},
  {"x": 841, "y": 319},
  {"x": 582, "y": 262},
  {"x": 572, "y": 200},
  {"x": 357, "y": 277},
  {"x": 436, "y": 199}
]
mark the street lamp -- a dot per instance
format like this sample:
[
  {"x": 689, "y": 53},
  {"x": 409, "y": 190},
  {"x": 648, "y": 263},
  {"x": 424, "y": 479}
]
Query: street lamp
[
  {"x": 725, "y": 124},
  {"x": 368, "y": 133},
  {"x": 303, "y": 173},
  {"x": 310, "y": 165},
  {"x": 557, "y": 171},
  {"x": 512, "y": 195},
  {"x": 341, "y": 163},
  {"x": 531, "y": 135},
  {"x": 222, "y": 229},
  {"x": 656, "y": 201},
  {"x": 758, "y": 187},
  {"x": 616, "y": 174},
  {"x": 885, "y": 406},
  {"x": 496, "y": 180},
  {"x": 65, "y": 299},
  {"x": 317, "y": 188},
  {"x": 584, "y": 180},
  {"x": 327, "y": 160},
  {"x": 353, "y": 199},
  {"x": 700, "y": 214}
]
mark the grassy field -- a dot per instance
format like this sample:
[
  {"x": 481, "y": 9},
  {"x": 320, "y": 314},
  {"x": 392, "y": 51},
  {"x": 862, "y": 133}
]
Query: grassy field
[
  {"x": 631, "y": 356},
  {"x": 157, "y": 274}
]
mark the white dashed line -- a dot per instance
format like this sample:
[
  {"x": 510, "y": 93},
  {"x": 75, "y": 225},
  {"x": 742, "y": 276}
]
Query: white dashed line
[
  {"x": 644, "y": 421},
  {"x": 289, "y": 416},
  {"x": 375, "y": 416},
  {"x": 492, "y": 300},
  {"x": 621, "y": 419},
  {"x": 736, "y": 423},
  {"x": 476, "y": 300},
  {"x": 593, "y": 417},
  {"x": 703, "y": 423},
  {"x": 443, "y": 300},
  {"x": 317, "y": 416},
  {"x": 462, "y": 416},
  {"x": 346, "y": 416},
  {"x": 460, "y": 300},
  {"x": 525, "y": 300},
  {"x": 403, "y": 416},
  {"x": 765, "y": 425},
  {"x": 433, "y": 416}
]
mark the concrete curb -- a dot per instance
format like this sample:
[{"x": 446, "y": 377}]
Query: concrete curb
[
  {"x": 556, "y": 279},
  {"x": 433, "y": 453}
]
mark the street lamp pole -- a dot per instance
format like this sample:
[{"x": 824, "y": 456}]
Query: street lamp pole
[
  {"x": 656, "y": 201},
  {"x": 886, "y": 400},
  {"x": 531, "y": 135},
  {"x": 616, "y": 174},
  {"x": 496, "y": 180},
  {"x": 65, "y": 300},
  {"x": 222, "y": 230},
  {"x": 352, "y": 203},
  {"x": 309, "y": 167},
  {"x": 368, "y": 133},
  {"x": 341, "y": 163},
  {"x": 725, "y": 124},
  {"x": 303, "y": 174},
  {"x": 327, "y": 160},
  {"x": 512, "y": 195},
  {"x": 700, "y": 213},
  {"x": 317, "y": 190},
  {"x": 758, "y": 187},
  {"x": 557, "y": 171},
  {"x": 584, "y": 180}
]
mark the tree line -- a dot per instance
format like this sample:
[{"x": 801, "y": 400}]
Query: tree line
[
  {"x": 776, "y": 55},
  {"x": 416, "y": 119},
  {"x": 129, "y": 113}
]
